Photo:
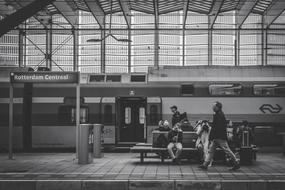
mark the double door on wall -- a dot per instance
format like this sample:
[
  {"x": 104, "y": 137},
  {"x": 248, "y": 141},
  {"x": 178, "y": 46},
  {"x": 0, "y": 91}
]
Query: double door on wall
[{"x": 131, "y": 119}]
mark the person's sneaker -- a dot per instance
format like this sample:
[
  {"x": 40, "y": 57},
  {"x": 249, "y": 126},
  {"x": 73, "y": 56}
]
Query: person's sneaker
[
  {"x": 174, "y": 161},
  {"x": 203, "y": 167},
  {"x": 235, "y": 167}
]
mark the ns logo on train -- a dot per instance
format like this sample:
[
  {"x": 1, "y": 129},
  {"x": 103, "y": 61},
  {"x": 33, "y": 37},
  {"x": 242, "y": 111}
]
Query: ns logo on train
[{"x": 268, "y": 108}]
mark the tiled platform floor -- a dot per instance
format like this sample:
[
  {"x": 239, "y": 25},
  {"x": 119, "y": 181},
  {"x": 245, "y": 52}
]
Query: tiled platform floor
[{"x": 125, "y": 167}]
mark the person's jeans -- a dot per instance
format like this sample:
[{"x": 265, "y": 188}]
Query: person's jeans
[
  {"x": 178, "y": 147},
  {"x": 224, "y": 146}
]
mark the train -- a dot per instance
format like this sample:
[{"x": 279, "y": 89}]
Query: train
[{"x": 130, "y": 105}]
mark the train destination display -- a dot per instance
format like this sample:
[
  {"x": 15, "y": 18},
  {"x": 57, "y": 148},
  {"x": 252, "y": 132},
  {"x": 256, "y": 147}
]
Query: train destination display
[{"x": 44, "y": 77}]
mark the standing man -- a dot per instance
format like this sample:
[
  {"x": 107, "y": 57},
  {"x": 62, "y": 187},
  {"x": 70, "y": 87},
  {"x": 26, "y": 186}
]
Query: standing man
[
  {"x": 176, "y": 117},
  {"x": 175, "y": 141},
  {"x": 218, "y": 138}
]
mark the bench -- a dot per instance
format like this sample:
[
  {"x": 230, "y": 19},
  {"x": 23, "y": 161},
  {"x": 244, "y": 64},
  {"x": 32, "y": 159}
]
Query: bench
[
  {"x": 142, "y": 150},
  {"x": 189, "y": 139}
]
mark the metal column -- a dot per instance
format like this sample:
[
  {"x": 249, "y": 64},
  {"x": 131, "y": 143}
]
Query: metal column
[
  {"x": 21, "y": 48},
  {"x": 263, "y": 43},
  {"x": 210, "y": 47},
  {"x": 11, "y": 118},
  {"x": 210, "y": 42},
  {"x": 48, "y": 54},
  {"x": 75, "y": 49},
  {"x": 129, "y": 51},
  {"x": 237, "y": 48},
  {"x": 156, "y": 49},
  {"x": 103, "y": 47},
  {"x": 77, "y": 113},
  {"x": 183, "y": 47}
]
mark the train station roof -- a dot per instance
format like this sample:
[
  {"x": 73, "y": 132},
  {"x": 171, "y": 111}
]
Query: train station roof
[{"x": 270, "y": 9}]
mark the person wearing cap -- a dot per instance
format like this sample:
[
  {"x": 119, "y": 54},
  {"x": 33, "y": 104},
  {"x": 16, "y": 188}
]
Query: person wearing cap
[
  {"x": 176, "y": 117},
  {"x": 218, "y": 138}
]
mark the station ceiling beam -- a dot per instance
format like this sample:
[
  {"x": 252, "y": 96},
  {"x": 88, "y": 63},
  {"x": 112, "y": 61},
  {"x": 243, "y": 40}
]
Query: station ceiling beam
[
  {"x": 67, "y": 12},
  {"x": 185, "y": 12},
  {"x": 18, "y": 17},
  {"x": 97, "y": 11},
  {"x": 43, "y": 19},
  {"x": 245, "y": 10},
  {"x": 125, "y": 6},
  {"x": 6, "y": 9},
  {"x": 215, "y": 12},
  {"x": 156, "y": 14},
  {"x": 273, "y": 12}
]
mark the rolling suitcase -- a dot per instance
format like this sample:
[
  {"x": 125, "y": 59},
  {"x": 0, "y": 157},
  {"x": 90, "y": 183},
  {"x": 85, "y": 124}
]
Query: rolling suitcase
[{"x": 246, "y": 152}]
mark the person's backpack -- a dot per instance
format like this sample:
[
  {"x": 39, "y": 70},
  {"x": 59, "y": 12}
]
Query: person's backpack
[
  {"x": 161, "y": 141},
  {"x": 186, "y": 126}
]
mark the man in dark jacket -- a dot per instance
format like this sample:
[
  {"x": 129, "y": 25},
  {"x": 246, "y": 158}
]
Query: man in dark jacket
[
  {"x": 176, "y": 117},
  {"x": 175, "y": 141},
  {"x": 218, "y": 138}
]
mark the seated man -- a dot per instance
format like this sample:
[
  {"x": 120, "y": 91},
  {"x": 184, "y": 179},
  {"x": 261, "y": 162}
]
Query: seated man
[{"x": 175, "y": 141}]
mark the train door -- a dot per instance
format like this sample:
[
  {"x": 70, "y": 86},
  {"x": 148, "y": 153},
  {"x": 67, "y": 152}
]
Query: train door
[{"x": 131, "y": 120}]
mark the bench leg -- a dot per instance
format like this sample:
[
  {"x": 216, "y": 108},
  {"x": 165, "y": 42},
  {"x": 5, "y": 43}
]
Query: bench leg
[
  {"x": 162, "y": 158},
  {"x": 142, "y": 157}
]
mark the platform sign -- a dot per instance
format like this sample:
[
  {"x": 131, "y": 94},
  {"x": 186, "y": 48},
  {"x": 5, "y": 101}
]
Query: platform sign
[{"x": 44, "y": 77}]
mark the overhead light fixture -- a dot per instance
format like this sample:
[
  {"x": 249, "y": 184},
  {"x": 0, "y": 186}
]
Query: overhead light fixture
[
  {"x": 94, "y": 40},
  {"x": 110, "y": 31}
]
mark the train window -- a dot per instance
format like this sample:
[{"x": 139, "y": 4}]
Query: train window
[
  {"x": 138, "y": 78},
  {"x": 113, "y": 78},
  {"x": 269, "y": 90},
  {"x": 128, "y": 115},
  {"x": 108, "y": 117},
  {"x": 187, "y": 89},
  {"x": 142, "y": 115},
  {"x": 153, "y": 114},
  {"x": 225, "y": 89},
  {"x": 97, "y": 78},
  {"x": 83, "y": 115}
]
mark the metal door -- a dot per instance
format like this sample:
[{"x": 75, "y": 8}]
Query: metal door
[{"x": 131, "y": 119}]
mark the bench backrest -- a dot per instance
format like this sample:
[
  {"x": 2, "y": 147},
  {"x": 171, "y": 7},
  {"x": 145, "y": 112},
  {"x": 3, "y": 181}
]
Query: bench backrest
[{"x": 189, "y": 138}]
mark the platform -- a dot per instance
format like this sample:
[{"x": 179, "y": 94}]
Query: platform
[{"x": 37, "y": 171}]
